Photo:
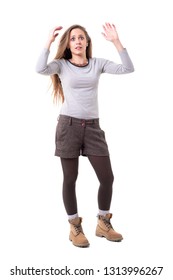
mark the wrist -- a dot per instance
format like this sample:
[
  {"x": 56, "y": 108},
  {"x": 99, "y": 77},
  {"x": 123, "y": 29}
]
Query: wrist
[
  {"x": 48, "y": 44},
  {"x": 118, "y": 44}
]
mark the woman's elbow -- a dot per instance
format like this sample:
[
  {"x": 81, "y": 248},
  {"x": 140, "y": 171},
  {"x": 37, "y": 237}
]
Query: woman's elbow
[
  {"x": 130, "y": 70},
  {"x": 41, "y": 70}
]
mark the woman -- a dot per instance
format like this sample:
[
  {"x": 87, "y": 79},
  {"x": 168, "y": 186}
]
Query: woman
[{"x": 75, "y": 76}]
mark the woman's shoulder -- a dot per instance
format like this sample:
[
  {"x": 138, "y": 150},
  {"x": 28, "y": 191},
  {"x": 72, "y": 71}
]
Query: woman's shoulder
[
  {"x": 98, "y": 61},
  {"x": 60, "y": 60}
]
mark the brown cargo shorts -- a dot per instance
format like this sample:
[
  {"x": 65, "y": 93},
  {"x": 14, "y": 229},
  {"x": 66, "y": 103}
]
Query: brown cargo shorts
[{"x": 75, "y": 137}]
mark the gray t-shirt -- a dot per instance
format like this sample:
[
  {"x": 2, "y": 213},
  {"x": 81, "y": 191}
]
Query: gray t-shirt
[{"x": 80, "y": 83}]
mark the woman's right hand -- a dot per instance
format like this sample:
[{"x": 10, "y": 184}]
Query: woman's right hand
[
  {"x": 52, "y": 36},
  {"x": 54, "y": 33}
]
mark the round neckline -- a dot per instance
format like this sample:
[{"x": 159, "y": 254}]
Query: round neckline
[{"x": 81, "y": 66}]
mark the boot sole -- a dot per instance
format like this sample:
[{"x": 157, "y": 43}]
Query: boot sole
[
  {"x": 113, "y": 240},
  {"x": 80, "y": 245}
]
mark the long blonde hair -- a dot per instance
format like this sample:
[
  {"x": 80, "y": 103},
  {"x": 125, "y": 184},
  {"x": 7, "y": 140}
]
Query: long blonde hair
[{"x": 64, "y": 52}]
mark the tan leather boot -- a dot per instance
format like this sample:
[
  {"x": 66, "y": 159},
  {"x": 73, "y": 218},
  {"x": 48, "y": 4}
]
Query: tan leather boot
[
  {"x": 105, "y": 229},
  {"x": 76, "y": 233}
]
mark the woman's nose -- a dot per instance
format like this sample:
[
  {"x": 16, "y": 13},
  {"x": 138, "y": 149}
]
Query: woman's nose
[{"x": 78, "y": 40}]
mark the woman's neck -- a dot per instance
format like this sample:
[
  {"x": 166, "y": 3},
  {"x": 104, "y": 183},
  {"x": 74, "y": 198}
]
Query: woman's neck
[{"x": 80, "y": 61}]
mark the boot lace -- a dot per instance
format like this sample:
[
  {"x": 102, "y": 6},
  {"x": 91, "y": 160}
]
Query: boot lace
[
  {"x": 107, "y": 223},
  {"x": 78, "y": 229}
]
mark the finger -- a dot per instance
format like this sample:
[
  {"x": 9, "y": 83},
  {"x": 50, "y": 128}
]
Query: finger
[
  {"x": 114, "y": 27},
  {"x": 55, "y": 31},
  {"x": 57, "y": 28},
  {"x": 108, "y": 25},
  {"x": 103, "y": 34},
  {"x": 104, "y": 27}
]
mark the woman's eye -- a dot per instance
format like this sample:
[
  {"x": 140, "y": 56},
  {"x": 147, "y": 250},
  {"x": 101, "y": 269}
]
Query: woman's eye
[{"x": 80, "y": 38}]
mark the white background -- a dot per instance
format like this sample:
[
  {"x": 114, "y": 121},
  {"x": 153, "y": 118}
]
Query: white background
[{"x": 136, "y": 114}]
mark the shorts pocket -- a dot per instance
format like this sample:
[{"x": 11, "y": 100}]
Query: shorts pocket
[{"x": 61, "y": 132}]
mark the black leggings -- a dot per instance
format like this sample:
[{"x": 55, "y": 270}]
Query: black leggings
[{"x": 103, "y": 170}]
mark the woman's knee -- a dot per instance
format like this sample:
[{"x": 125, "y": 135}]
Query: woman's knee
[
  {"x": 70, "y": 179},
  {"x": 107, "y": 179}
]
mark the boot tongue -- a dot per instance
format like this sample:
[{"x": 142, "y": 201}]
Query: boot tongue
[
  {"x": 76, "y": 221},
  {"x": 108, "y": 216}
]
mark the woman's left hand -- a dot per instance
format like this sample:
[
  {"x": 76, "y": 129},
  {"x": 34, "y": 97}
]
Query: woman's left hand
[{"x": 110, "y": 32}]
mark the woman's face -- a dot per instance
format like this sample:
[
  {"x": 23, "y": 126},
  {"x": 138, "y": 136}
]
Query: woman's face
[{"x": 78, "y": 42}]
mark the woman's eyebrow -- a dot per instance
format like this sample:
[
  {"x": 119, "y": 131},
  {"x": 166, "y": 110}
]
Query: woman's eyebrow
[{"x": 77, "y": 35}]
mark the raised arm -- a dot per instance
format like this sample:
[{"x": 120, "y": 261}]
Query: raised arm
[
  {"x": 110, "y": 34},
  {"x": 42, "y": 66}
]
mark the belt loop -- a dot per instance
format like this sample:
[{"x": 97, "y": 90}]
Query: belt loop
[
  {"x": 70, "y": 121},
  {"x": 83, "y": 123}
]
